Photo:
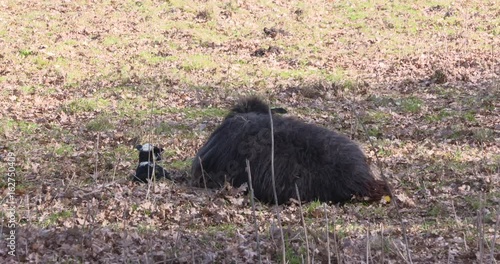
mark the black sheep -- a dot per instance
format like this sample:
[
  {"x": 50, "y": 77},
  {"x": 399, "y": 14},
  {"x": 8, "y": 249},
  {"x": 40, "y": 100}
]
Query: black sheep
[
  {"x": 148, "y": 156},
  {"x": 325, "y": 165}
]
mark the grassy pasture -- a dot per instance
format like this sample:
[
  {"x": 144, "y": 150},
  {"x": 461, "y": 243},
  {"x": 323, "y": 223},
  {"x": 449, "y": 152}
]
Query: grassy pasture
[{"x": 83, "y": 82}]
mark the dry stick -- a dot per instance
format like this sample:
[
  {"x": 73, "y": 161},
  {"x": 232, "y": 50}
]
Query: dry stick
[
  {"x": 487, "y": 245},
  {"x": 89, "y": 219},
  {"x": 383, "y": 242},
  {"x": 177, "y": 242},
  {"x": 96, "y": 156},
  {"x": 253, "y": 208},
  {"x": 303, "y": 224},
  {"x": 399, "y": 251},
  {"x": 493, "y": 242},
  {"x": 480, "y": 227},
  {"x": 114, "y": 169},
  {"x": 454, "y": 212},
  {"x": 203, "y": 173},
  {"x": 368, "y": 244},
  {"x": 335, "y": 244},
  {"x": 327, "y": 234},
  {"x": 393, "y": 200},
  {"x": 150, "y": 183},
  {"x": 465, "y": 242},
  {"x": 283, "y": 251},
  {"x": 149, "y": 136}
]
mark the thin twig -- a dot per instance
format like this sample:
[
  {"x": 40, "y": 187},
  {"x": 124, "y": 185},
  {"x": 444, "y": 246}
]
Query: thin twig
[
  {"x": 303, "y": 224},
  {"x": 114, "y": 169},
  {"x": 283, "y": 250},
  {"x": 150, "y": 182},
  {"x": 493, "y": 242},
  {"x": 383, "y": 242},
  {"x": 327, "y": 234},
  {"x": 149, "y": 136},
  {"x": 335, "y": 243},
  {"x": 480, "y": 227},
  {"x": 368, "y": 244},
  {"x": 399, "y": 252},
  {"x": 202, "y": 173},
  {"x": 454, "y": 212},
  {"x": 96, "y": 156},
  {"x": 253, "y": 209},
  {"x": 465, "y": 242}
]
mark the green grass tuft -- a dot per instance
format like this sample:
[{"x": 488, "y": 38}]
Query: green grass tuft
[
  {"x": 85, "y": 105},
  {"x": 411, "y": 105},
  {"x": 100, "y": 123},
  {"x": 26, "y": 52},
  {"x": 198, "y": 62}
]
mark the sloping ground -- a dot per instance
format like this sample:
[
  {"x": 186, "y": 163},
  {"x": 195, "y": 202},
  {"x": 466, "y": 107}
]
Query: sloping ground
[{"x": 82, "y": 83}]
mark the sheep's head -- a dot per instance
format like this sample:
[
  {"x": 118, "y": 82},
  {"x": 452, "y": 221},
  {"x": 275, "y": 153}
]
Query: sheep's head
[{"x": 148, "y": 152}]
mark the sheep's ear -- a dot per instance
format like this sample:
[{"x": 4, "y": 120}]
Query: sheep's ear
[
  {"x": 160, "y": 150},
  {"x": 138, "y": 147}
]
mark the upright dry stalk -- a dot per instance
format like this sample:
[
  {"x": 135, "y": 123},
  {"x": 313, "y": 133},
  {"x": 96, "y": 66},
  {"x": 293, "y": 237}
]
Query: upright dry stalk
[
  {"x": 454, "y": 212},
  {"x": 335, "y": 244},
  {"x": 114, "y": 169},
  {"x": 480, "y": 227},
  {"x": 327, "y": 234},
  {"x": 149, "y": 136},
  {"x": 253, "y": 208},
  {"x": 493, "y": 242},
  {"x": 401, "y": 254},
  {"x": 150, "y": 184},
  {"x": 96, "y": 156},
  {"x": 303, "y": 224},
  {"x": 278, "y": 216},
  {"x": 383, "y": 242},
  {"x": 368, "y": 244},
  {"x": 153, "y": 175},
  {"x": 202, "y": 173}
]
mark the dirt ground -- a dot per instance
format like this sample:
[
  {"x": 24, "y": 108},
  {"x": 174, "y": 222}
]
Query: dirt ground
[{"x": 82, "y": 82}]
